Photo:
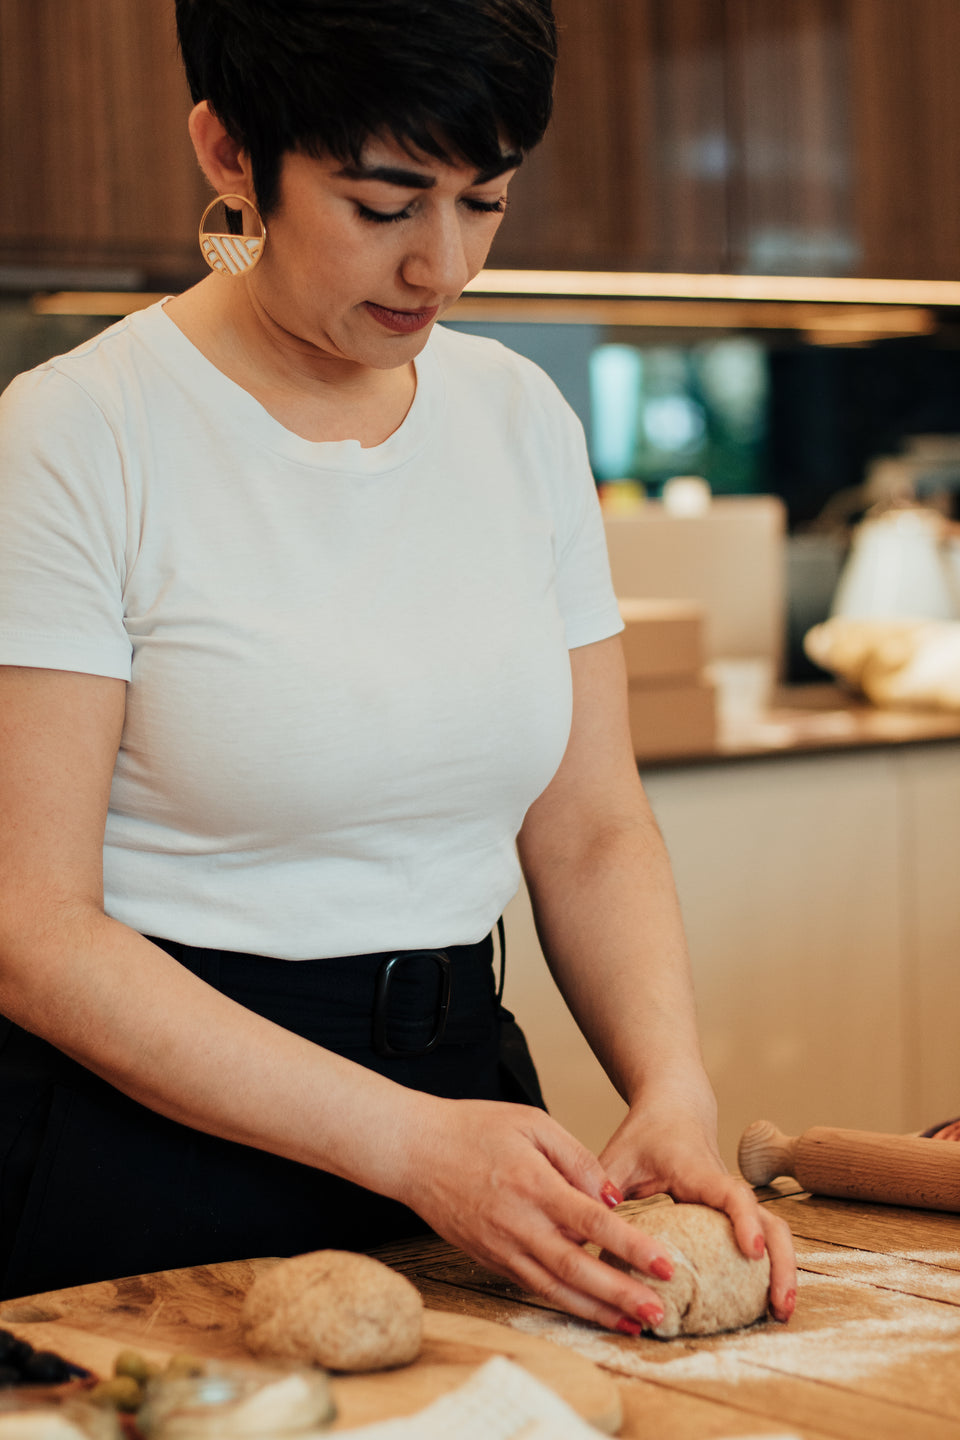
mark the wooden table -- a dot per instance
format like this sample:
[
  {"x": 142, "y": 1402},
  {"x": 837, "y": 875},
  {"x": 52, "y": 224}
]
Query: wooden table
[{"x": 872, "y": 1352}]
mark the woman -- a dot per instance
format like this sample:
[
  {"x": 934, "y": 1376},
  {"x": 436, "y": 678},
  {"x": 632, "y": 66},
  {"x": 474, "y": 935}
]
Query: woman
[{"x": 306, "y": 628}]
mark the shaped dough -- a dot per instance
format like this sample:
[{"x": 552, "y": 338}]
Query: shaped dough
[
  {"x": 714, "y": 1286},
  {"x": 336, "y": 1309}
]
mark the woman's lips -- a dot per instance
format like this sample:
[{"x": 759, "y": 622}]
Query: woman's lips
[{"x": 402, "y": 322}]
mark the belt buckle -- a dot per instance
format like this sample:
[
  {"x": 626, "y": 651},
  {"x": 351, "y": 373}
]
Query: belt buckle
[{"x": 385, "y": 974}]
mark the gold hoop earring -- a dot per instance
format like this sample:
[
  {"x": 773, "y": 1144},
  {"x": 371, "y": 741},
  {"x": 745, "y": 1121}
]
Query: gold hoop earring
[{"x": 229, "y": 254}]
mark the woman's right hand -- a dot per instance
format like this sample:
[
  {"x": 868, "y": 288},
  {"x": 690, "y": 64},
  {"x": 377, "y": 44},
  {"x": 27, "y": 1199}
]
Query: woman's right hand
[{"x": 514, "y": 1190}]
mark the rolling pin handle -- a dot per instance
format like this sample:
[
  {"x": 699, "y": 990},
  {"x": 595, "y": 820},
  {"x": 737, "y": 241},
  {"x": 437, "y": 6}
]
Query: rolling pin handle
[{"x": 764, "y": 1152}]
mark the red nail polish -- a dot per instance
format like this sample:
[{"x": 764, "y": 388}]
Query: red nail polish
[
  {"x": 790, "y": 1302},
  {"x": 629, "y": 1327},
  {"x": 610, "y": 1195},
  {"x": 662, "y": 1268},
  {"x": 651, "y": 1315},
  {"x": 759, "y": 1247}
]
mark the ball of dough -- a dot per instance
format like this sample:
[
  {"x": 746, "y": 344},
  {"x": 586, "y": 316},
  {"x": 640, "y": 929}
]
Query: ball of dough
[
  {"x": 714, "y": 1285},
  {"x": 336, "y": 1309}
]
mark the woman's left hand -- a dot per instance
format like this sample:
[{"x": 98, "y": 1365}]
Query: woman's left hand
[{"x": 668, "y": 1147}]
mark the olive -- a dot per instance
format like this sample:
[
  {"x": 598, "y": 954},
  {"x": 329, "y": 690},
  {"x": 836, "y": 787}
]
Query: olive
[
  {"x": 182, "y": 1364},
  {"x": 122, "y": 1391},
  {"x": 132, "y": 1363}
]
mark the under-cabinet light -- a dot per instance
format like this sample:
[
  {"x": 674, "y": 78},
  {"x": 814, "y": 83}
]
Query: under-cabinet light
[
  {"x": 843, "y": 323},
  {"x": 822, "y": 323},
  {"x": 93, "y": 302},
  {"x": 822, "y": 289}
]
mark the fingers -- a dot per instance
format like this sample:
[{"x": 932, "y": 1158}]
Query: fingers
[
  {"x": 574, "y": 1279},
  {"x": 576, "y": 1165},
  {"x": 735, "y": 1196},
  {"x": 536, "y": 1196},
  {"x": 579, "y": 1166},
  {"x": 552, "y": 1260},
  {"x": 783, "y": 1265},
  {"x": 759, "y": 1231},
  {"x": 599, "y": 1293},
  {"x": 636, "y": 1250}
]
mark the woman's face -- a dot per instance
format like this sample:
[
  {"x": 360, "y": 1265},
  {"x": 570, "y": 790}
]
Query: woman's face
[{"x": 360, "y": 262}]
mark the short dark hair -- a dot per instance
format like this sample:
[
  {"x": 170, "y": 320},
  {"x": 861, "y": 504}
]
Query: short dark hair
[{"x": 453, "y": 79}]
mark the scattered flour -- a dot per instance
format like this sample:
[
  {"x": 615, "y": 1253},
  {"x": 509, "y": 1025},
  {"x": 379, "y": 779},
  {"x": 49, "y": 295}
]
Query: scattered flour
[
  {"x": 894, "y": 1272},
  {"x": 947, "y": 1259},
  {"x": 840, "y": 1346}
]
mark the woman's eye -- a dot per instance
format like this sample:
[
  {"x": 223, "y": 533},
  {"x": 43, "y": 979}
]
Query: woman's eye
[
  {"x": 471, "y": 203},
  {"x": 486, "y": 207},
  {"x": 383, "y": 217}
]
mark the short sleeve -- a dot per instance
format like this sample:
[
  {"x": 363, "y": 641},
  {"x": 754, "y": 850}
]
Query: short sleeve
[
  {"x": 63, "y": 530},
  {"x": 584, "y": 586}
]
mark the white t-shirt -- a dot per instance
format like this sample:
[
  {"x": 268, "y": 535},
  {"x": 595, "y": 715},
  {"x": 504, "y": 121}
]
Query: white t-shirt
[{"x": 348, "y": 669}]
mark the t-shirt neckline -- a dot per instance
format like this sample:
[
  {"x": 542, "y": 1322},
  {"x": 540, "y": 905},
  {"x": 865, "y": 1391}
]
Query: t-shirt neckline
[{"x": 237, "y": 407}]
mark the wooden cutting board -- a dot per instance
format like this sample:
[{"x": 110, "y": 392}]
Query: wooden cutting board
[{"x": 197, "y": 1310}]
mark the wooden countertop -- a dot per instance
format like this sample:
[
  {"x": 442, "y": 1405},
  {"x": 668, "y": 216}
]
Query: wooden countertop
[
  {"x": 809, "y": 719},
  {"x": 872, "y": 1352}
]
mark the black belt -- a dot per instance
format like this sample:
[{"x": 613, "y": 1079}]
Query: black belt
[
  {"x": 392, "y": 969},
  {"x": 397, "y": 1005}
]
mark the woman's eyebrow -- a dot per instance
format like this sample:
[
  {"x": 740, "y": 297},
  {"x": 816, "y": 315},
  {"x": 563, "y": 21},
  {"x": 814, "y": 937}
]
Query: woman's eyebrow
[
  {"x": 389, "y": 175},
  {"x": 416, "y": 179}
]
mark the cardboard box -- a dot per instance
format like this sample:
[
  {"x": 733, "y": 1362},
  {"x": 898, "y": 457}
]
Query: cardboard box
[
  {"x": 663, "y": 639},
  {"x": 671, "y": 719},
  {"x": 732, "y": 561}
]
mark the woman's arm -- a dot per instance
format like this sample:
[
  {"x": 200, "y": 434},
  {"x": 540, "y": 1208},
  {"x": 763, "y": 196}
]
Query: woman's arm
[
  {"x": 503, "y": 1181},
  {"x": 609, "y": 923},
  {"x": 117, "y": 1003}
]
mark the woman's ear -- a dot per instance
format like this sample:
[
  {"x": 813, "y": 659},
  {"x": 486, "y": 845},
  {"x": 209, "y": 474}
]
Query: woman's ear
[{"x": 223, "y": 161}]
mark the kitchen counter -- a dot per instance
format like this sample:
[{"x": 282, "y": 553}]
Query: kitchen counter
[
  {"x": 805, "y": 719},
  {"x": 872, "y": 1352}
]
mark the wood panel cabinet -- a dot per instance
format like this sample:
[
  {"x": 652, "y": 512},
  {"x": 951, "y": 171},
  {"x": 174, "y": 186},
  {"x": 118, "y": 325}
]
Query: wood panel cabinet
[
  {"x": 905, "y": 113},
  {"x": 96, "y": 167},
  {"x": 801, "y": 136},
  {"x": 634, "y": 170},
  {"x": 798, "y": 137},
  {"x": 792, "y": 170}
]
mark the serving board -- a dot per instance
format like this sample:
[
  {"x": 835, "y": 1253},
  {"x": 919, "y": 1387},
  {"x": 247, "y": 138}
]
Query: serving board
[{"x": 197, "y": 1310}]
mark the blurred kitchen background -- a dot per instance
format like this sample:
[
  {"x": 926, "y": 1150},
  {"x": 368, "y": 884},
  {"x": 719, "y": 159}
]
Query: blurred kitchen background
[
  {"x": 738, "y": 254},
  {"x": 700, "y": 148}
]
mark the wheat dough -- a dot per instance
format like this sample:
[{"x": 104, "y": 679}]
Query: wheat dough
[
  {"x": 336, "y": 1309},
  {"x": 714, "y": 1286}
]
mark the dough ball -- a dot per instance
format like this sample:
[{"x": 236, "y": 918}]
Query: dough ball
[
  {"x": 336, "y": 1309},
  {"x": 714, "y": 1286}
]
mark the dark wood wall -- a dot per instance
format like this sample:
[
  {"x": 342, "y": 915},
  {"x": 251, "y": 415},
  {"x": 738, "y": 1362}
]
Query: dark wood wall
[
  {"x": 761, "y": 136},
  {"x": 96, "y": 167}
]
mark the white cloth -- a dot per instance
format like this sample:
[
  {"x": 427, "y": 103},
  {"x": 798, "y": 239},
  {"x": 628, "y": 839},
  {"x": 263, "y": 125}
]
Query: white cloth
[
  {"x": 348, "y": 667},
  {"x": 501, "y": 1401}
]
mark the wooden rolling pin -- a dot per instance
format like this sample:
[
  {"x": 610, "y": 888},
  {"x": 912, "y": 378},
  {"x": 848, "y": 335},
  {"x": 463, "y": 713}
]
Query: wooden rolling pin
[{"x": 856, "y": 1164}]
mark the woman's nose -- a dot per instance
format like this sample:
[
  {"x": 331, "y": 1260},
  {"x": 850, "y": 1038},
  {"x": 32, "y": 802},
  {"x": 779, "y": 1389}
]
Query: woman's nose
[{"x": 437, "y": 259}]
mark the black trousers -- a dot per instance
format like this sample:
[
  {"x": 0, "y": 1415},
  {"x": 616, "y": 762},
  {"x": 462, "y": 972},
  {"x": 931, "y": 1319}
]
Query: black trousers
[{"x": 94, "y": 1186}]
